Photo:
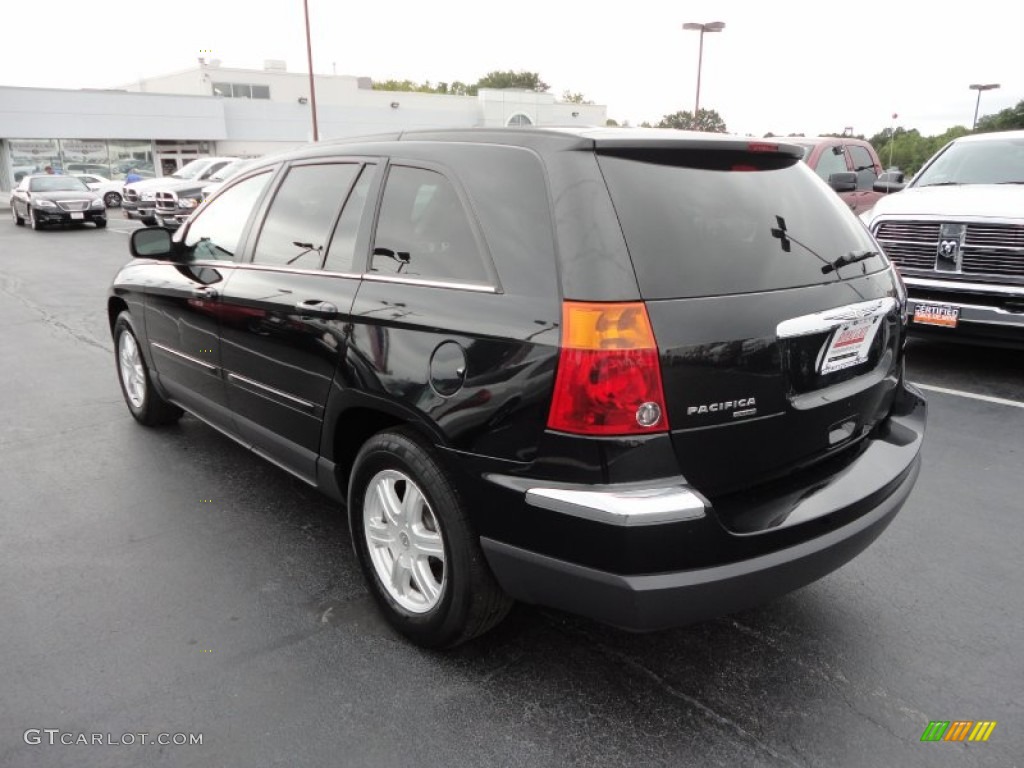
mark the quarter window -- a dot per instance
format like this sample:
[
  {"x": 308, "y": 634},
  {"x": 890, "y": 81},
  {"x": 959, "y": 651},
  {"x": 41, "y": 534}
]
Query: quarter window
[
  {"x": 217, "y": 230},
  {"x": 298, "y": 226},
  {"x": 424, "y": 231}
]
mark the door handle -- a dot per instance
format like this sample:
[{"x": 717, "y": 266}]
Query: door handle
[
  {"x": 204, "y": 292},
  {"x": 317, "y": 308}
]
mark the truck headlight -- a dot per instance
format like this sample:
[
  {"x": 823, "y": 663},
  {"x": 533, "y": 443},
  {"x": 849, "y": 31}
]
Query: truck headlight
[
  {"x": 188, "y": 202},
  {"x": 98, "y": 203}
]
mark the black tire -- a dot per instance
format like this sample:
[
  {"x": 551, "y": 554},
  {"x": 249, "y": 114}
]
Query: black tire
[
  {"x": 100, "y": 223},
  {"x": 470, "y": 601},
  {"x": 151, "y": 409},
  {"x": 33, "y": 222},
  {"x": 17, "y": 219},
  {"x": 112, "y": 200}
]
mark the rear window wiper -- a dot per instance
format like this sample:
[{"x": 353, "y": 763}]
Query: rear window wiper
[{"x": 847, "y": 258}]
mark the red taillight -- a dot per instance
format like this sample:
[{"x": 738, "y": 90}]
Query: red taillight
[
  {"x": 762, "y": 146},
  {"x": 609, "y": 377}
]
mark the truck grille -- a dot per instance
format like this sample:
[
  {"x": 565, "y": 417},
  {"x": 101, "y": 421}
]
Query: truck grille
[
  {"x": 988, "y": 249},
  {"x": 166, "y": 202},
  {"x": 73, "y": 205}
]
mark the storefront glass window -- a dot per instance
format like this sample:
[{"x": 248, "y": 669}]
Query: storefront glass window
[{"x": 32, "y": 156}]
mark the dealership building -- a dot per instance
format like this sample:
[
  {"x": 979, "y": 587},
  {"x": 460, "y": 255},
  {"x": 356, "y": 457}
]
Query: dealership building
[{"x": 158, "y": 124}]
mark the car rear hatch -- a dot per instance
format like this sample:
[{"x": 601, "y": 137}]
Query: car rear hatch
[{"x": 772, "y": 358}]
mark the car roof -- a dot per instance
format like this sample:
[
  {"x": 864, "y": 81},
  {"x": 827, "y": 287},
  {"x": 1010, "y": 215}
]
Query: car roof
[{"x": 554, "y": 138}]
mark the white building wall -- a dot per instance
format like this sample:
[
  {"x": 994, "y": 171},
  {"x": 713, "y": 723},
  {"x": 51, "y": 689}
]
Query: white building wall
[{"x": 43, "y": 113}]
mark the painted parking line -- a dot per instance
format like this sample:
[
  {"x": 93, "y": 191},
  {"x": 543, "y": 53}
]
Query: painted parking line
[{"x": 971, "y": 395}]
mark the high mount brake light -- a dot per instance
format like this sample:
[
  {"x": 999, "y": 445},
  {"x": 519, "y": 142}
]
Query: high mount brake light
[
  {"x": 762, "y": 146},
  {"x": 609, "y": 376}
]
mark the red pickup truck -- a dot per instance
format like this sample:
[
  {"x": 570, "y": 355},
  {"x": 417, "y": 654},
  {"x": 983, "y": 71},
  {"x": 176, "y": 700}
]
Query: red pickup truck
[{"x": 850, "y": 166}]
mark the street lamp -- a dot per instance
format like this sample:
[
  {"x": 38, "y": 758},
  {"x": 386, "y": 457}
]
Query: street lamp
[
  {"x": 977, "y": 103},
  {"x": 711, "y": 26},
  {"x": 312, "y": 86}
]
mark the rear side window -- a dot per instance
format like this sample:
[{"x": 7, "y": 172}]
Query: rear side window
[
  {"x": 424, "y": 230},
  {"x": 710, "y": 224},
  {"x": 303, "y": 212}
]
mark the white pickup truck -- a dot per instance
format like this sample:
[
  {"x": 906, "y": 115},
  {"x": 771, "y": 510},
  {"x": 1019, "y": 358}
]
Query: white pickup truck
[{"x": 956, "y": 234}]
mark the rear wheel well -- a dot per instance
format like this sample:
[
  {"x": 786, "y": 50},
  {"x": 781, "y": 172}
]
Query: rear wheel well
[{"x": 355, "y": 427}]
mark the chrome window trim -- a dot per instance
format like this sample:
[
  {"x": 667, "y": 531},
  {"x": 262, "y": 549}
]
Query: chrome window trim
[
  {"x": 298, "y": 400},
  {"x": 641, "y": 506},
  {"x": 248, "y": 265},
  {"x": 176, "y": 353},
  {"x": 827, "y": 320},
  {"x": 476, "y": 287}
]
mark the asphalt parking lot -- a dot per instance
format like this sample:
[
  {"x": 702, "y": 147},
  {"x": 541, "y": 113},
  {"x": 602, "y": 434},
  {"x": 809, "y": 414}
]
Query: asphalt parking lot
[{"x": 170, "y": 582}]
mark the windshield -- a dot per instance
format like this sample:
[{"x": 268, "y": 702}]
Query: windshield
[
  {"x": 995, "y": 161},
  {"x": 711, "y": 224},
  {"x": 57, "y": 184},
  {"x": 190, "y": 170}
]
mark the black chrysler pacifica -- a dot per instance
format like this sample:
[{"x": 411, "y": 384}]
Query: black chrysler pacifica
[{"x": 649, "y": 377}]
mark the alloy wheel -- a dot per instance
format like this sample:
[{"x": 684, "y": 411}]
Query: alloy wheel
[
  {"x": 130, "y": 365},
  {"x": 404, "y": 541}
]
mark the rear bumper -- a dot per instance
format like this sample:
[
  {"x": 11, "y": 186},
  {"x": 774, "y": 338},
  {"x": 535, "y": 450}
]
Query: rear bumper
[
  {"x": 827, "y": 525},
  {"x": 659, "y": 601}
]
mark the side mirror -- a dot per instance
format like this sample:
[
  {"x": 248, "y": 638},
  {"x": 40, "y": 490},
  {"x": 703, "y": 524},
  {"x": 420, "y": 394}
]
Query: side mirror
[
  {"x": 887, "y": 187},
  {"x": 151, "y": 243},
  {"x": 843, "y": 182}
]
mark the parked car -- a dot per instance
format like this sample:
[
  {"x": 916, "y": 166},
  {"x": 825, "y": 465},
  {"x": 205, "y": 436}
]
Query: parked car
[
  {"x": 648, "y": 379},
  {"x": 956, "y": 233},
  {"x": 177, "y": 200},
  {"x": 109, "y": 189},
  {"x": 850, "y": 166},
  {"x": 139, "y": 197},
  {"x": 45, "y": 199}
]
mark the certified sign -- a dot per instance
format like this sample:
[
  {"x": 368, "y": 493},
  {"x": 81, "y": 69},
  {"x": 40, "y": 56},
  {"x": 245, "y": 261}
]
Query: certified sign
[{"x": 942, "y": 315}]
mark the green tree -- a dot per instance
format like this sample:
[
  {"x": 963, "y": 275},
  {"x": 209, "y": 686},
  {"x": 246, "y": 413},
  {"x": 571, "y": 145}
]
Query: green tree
[
  {"x": 508, "y": 79},
  {"x": 1009, "y": 119},
  {"x": 708, "y": 120},
  {"x": 907, "y": 149},
  {"x": 611, "y": 123},
  {"x": 574, "y": 98}
]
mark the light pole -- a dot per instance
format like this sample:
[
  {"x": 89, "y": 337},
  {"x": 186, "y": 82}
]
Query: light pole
[
  {"x": 312, "y": 85},
  {"x": 977, "y": 103},
  {"x": 711, "y": 26}
]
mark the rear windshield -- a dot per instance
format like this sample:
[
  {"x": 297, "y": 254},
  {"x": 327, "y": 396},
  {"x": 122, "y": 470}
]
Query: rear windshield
[{"x": 716, "y": 223}]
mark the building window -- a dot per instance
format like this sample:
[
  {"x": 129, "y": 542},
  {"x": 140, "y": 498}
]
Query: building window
[
  {"x": 241, "y": 90},
  {"x": 518, "y": 120}
]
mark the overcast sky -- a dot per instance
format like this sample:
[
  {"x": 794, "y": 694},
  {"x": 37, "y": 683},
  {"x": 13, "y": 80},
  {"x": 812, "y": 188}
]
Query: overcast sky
[{"x": 785, "y": 66}]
